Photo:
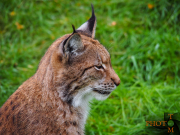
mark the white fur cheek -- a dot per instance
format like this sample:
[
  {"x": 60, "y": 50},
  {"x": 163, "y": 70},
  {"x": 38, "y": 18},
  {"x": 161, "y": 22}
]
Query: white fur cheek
[
  {"x": 100, "y": 96},
  {"x": 82, "y": 99}
]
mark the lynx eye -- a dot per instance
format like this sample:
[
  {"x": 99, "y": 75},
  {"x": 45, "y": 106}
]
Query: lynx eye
[{"x": 99, "y": 67}]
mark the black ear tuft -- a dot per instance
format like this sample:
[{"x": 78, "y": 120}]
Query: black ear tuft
[
  {"x": 74, "y": 30},
  {"x": 92, "y": 20},
  {"x": 89, "y": 26}
]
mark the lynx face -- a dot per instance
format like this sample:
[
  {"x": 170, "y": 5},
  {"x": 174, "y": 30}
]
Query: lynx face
[
  {"x": 88, "y": 71},
  {"x": 83, "y": 66}
]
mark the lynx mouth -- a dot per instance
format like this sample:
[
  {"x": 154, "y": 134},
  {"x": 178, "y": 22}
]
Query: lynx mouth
[{"x": 102, "y": 92}]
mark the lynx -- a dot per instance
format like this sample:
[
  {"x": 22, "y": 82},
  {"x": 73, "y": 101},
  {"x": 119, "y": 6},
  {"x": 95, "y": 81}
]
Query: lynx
[{"x": 75, "y": 69}]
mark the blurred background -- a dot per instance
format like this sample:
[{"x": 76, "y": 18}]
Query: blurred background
[{"x": 143, "y": 38}]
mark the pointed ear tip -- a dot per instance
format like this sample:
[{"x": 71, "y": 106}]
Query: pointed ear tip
[
  {"x": 92, "y": 5},
  {"x": 92, "y": 9},
  {"x": 74, "y": 30},
  {"x": 73, "y": 26}
]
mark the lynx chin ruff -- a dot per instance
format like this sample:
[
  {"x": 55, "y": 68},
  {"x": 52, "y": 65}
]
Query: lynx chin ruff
[{"x": 75, "y": 69}]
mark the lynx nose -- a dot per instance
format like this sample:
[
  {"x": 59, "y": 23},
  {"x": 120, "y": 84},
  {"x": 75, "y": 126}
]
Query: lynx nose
[{"x": 116, "y": 80}]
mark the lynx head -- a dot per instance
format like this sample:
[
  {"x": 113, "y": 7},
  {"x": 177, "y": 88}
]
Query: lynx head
[{"x": 80, "y": 66}]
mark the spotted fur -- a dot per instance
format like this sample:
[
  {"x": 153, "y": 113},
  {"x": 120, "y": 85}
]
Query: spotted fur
[{"x": 75, "y": 69}]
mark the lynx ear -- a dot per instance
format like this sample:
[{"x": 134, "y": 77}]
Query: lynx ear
[
  {"x": 73, "y": 44},
  {"x": 89, "y": 26}
]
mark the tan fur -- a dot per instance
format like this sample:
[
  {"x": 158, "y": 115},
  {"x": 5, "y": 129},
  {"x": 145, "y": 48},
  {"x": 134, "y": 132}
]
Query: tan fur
[{"x": 43, "y": 103}]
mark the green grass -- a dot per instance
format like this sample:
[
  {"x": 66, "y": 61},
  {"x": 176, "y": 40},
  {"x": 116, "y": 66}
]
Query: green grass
[{"x": 144, "y": 46}]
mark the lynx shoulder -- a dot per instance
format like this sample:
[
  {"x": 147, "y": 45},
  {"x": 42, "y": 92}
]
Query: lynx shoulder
[{"x": 75, "y": 69}]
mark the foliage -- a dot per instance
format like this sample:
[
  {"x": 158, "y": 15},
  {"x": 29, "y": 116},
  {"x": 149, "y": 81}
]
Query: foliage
[{"x": 142, "y": 37}]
